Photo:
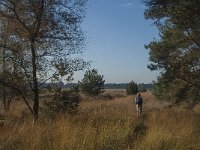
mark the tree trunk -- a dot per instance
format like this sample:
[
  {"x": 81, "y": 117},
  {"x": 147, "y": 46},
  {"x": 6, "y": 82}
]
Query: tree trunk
[
  {"x": 4, "y": 76},
  {"x": 34, "y": 65},
  {"x": 4, "y": 96},
  {"x": 35, "y": 84}
]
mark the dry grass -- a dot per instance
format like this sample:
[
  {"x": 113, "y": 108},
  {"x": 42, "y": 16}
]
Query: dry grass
[
  {"x": 197, "y": 108},
  {"x": 98, "y": 125},
  {"x": 171, "y": 130},
  {"x": 104, "y": 125}
]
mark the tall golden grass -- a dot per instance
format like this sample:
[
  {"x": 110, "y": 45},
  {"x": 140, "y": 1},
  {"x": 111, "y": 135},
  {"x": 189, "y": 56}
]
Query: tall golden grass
[
  {"x": 171, "y": 130},
  {"x": 104, "y": 125}
]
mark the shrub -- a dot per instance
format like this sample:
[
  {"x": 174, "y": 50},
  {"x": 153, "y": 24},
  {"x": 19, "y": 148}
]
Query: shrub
[
  {"x": 63, "y": 101},
  {"x": 141, "y": 88},
  {"x": 92, "y": 84},
  {"x": 132, "y": 88}
]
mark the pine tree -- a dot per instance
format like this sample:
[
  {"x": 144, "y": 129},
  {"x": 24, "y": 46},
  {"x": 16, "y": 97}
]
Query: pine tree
[
  {"x": 92, "y": 84},
  {"x": 132, "y": 88},
  {"x": 177, "y": 53}
]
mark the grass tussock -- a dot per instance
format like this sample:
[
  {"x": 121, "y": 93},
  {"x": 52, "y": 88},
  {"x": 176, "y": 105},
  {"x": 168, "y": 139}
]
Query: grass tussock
[
  {"x": 171, "y": 130},
  {"x": 103, "y": 125}
]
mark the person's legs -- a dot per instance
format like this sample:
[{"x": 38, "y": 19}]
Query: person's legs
[{"x": 138, "y": 109}]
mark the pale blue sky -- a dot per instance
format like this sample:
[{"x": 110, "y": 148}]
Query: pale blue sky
[{"x": 116, "y": 33}]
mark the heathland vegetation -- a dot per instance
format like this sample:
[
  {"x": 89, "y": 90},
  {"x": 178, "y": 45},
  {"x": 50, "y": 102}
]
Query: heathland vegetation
[
  {"x": 104, "y": 124},
  {"x": 40, "y": 43}
]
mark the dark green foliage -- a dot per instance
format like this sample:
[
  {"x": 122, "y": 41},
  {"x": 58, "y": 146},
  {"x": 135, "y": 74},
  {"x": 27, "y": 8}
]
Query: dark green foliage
[
  {"x": 177, "y": 53},
  {"x": 63, "y": 101},
  {"x": 142, "y": 87},
  {"x": 92, "y": 84},
  {"x": 176, "y": 91},
  {"x": 132, "y": 88},
  {"x": 115, "y": 85}
]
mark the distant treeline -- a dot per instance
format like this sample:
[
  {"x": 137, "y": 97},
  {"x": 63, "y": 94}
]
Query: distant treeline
[
  {"x": 106, "y": 85},
  {"x": 124, "y": 86}
]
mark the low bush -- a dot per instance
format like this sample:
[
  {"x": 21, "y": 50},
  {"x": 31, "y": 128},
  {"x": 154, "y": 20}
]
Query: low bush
[{"x": 63, "y": 101}]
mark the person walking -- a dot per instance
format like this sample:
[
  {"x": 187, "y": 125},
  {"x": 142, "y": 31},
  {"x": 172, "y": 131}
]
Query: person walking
[{"x": 138, "y": 102}]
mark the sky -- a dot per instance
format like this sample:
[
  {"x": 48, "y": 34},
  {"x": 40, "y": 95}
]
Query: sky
[{"x": 116, "y": 33}]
